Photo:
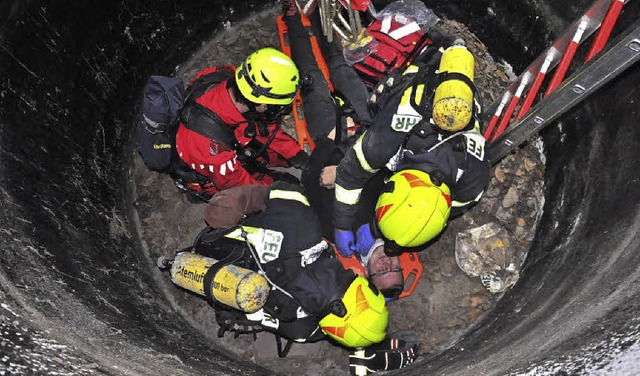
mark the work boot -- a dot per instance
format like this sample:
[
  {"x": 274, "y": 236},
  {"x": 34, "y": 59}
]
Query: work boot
[{"x": 289, "y": 8}]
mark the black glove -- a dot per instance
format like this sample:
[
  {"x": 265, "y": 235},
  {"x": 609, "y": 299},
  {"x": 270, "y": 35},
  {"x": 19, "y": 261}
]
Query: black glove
[
  {"x": 237, "y": 322},
  {"x": 300, "y": 160},
  {"x": 396, "y": 351}
]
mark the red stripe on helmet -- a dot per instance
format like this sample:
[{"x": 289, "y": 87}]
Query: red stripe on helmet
[
  {"x": 336, "y": 331},
  {"x": 361, "y": 301},
  {"x": 382, "y": 211},
  {"x": 446, "y": 197},
  {"x": 415, "y": 181}
]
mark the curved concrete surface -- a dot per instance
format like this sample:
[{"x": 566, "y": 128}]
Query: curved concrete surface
[{"x": 78, "y": 293}]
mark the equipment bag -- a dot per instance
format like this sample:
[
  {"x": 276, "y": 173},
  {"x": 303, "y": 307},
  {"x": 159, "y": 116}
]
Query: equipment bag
[
  {"x": 399, "y": 39},
  {"x": 162, "y": 101}
]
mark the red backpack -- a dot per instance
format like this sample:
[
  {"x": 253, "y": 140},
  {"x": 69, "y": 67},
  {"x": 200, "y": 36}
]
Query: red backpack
[{"x": 399, "y": 39}]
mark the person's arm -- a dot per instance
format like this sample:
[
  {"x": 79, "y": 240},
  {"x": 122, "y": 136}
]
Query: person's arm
[
  {"x": 370, "y": 153},
  {"x": 227, "y": 208},
  {"x": 352, "y": 174},
  {"x": 215, "y": 160},
  {"x": 471, "y": 185},
  {"x": 229, "y": 173}
]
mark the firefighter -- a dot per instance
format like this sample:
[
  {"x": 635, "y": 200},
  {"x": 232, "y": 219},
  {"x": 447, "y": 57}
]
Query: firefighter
[
  {"x": 311, "y": 297},
  {"x": 425, "y": 139},
  {"x": 241, "y": 137}
]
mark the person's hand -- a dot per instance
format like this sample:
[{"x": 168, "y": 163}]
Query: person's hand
[
  {"x": 225, "y": 208},
  {"x": 345, "y": 242},
  {"x": 328, "y": 177},
  {"x": 300, "y": 160},
  {"x": 352, "y": 127},
  {"x": 236, "y": 322},
  {"x": 396, "y": 351},
  {"x": 364, "y": 240}
]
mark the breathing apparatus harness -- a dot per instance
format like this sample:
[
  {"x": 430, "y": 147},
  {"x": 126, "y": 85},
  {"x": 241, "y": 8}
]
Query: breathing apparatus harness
[
  {"x": 417, "y": 138},
  {"x": 209, "y": 236},
  {"x": 431, "y": 79}
]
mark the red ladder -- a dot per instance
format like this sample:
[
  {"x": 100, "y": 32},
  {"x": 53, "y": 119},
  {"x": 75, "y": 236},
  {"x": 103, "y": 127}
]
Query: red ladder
[{"x": 602, "y": 16}]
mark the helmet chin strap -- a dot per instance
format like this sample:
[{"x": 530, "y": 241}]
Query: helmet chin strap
[{"x": 252, "y": 115}]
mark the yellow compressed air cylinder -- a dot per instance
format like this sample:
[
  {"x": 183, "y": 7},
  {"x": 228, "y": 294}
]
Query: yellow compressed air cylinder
[
  {"x": 233, "y": 286},
  {"x": 453, "y": 99}
]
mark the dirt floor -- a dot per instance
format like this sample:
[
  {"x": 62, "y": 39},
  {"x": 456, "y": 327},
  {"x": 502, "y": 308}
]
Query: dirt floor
[{"x": 447, "y": 300}]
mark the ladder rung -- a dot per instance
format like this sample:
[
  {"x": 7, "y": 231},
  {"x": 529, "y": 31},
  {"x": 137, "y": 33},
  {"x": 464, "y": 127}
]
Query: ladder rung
[
  {"x": 510, "y": 110},
  {"x": 535, "y": 87},
  {"x": 567, "y": 57},
  {"x": 605, "y": 29},
  {"x": 496, "y": 115}
]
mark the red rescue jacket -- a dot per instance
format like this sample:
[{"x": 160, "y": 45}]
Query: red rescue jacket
[{"x": 218, "y": 161}]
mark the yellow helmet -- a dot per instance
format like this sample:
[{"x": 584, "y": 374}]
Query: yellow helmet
[
  {"x": 412, "y": 209},
  {"x": 268, "y": 76},
  {"x": 361, "y": 317}
]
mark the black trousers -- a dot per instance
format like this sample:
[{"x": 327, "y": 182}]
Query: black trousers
[{"x": 320, "y": 110}]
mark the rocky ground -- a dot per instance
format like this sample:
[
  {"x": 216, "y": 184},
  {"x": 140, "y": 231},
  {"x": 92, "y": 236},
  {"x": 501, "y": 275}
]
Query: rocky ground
[{"x": 490, "y": 241}]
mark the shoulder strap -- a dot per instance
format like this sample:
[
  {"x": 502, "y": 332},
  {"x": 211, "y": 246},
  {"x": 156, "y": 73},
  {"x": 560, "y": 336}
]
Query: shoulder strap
[
  {"x": 202, "y": 120},
  {"x": 206, "y": 82}
]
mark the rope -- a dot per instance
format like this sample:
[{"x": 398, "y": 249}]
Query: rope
[
  {"x": 257, "y": 260},
  {"x": 449, "y": 138}
]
